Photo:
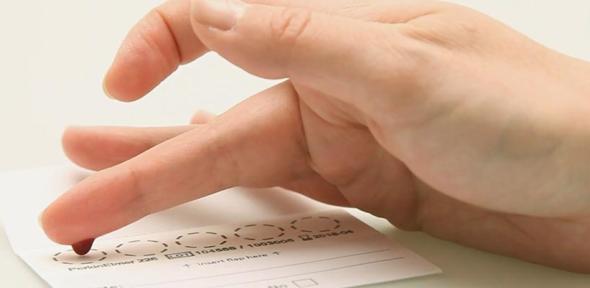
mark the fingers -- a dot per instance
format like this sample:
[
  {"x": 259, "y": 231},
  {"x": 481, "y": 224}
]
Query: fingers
[
  {"x": 154, "y": 49},
  {"x": 326, "y": 52},
  {"x": 199, "y": 162},
  {"x": 97, "y": 148}
]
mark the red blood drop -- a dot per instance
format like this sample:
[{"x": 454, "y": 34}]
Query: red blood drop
[{"x": 83, "y": 247}]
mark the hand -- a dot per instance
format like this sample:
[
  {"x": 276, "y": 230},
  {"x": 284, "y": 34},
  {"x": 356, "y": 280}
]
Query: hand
[{"x": 429, "y": 114}]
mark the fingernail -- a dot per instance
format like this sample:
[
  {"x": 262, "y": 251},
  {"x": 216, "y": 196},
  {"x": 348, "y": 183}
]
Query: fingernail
[
  {"x": 83, "y": 247},
  {"x": 218, "y": 14}
]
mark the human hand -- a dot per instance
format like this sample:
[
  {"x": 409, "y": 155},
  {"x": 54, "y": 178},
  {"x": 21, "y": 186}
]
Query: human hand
[{"x": 429, "y": 114}]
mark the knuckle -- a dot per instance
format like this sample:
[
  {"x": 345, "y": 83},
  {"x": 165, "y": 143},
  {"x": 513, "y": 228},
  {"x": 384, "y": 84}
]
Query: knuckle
[{"x": 289, "y": 24}]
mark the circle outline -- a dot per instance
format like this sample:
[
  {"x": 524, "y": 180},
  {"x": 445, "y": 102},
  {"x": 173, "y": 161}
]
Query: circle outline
[
  {"x": 117, "y": 248},
  {"x": 223, "y": 241},
  {"x": 56, "y": 259},
  {"x": 279, "y": 228},
  {"x": 336, "y": 222}
]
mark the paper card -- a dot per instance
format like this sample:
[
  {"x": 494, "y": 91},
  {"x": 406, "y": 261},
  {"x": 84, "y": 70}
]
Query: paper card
[{"x": 318, "y": 246}]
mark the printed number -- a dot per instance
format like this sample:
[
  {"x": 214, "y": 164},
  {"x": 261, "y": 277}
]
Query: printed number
[{"x": 143, "y": 260}]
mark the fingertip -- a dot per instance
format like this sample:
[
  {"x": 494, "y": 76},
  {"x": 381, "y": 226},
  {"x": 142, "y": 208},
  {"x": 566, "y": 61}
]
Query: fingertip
[
  {"x": 106, "y": 91},
  {"x": 69, "y": 141},
  {"x": 51, "y": 228},
  {"x": 64, "y": 227},
  {"x": 130, "y": 79},
  {"x": 75, "y": 143}
]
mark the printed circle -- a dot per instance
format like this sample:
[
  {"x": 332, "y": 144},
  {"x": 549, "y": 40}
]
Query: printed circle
[
  {"x": 201, "y": 239},
  {"x": 142, "y": 248},
  {"x": 315, "y": 224},
  {"x": 69, "y": 257},
  {"x": 254, "y": 232}
]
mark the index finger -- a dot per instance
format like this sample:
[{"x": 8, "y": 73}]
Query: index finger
[
  {"x": 153, "y": 50},
  {"x": 259, "y": 143}
]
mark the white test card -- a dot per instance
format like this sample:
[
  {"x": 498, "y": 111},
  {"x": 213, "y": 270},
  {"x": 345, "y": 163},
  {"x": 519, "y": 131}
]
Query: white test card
[{"x": 321, "y": 249}]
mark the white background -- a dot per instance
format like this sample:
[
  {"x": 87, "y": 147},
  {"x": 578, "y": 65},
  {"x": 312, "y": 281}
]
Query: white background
[{"x": 53, "y": 55}]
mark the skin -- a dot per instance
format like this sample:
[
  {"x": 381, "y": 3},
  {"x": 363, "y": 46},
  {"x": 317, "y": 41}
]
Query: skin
[{"x": 429, "y": 114}]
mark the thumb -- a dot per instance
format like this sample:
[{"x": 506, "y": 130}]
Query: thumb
[{"x": 334, "y": 54}]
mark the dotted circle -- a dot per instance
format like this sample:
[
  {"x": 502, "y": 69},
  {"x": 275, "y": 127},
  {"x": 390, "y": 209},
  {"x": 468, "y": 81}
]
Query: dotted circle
[
  {"x": 280, "y": 231},
  {"x": 118, "y": 248},
  {"x": 297, "y": 222},
  {"x": 103, "y": 255},
  {"x": 223, "y": 239}
]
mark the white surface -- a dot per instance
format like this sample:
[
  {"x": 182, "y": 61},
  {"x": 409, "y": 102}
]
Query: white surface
[
  {"x": 53, "y": 55},
  {"x": 236, "y": 238}
]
